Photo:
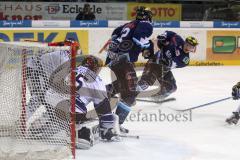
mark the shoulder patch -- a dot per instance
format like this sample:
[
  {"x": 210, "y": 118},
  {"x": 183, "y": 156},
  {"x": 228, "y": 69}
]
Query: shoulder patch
[{"x": 186, "y": 60}]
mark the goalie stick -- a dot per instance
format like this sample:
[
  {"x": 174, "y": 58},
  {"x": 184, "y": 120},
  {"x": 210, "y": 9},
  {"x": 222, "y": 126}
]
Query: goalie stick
[{"x": 202, "y": 105}]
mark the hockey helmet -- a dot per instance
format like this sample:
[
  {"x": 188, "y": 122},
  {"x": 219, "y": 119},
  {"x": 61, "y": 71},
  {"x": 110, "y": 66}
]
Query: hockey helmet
[
  {"x": 190, "y": 44},
  {"x": 93, "y": 63},
  {"x": 191, "y": 40},
  {"x": 143, "y": 13}
]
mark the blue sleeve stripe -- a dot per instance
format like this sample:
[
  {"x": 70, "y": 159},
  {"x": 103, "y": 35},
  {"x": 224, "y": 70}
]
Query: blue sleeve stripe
[{"x": 140, "y": 44}]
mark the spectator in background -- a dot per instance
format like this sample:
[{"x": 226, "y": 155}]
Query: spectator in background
[{"x": 86, "y": 14}]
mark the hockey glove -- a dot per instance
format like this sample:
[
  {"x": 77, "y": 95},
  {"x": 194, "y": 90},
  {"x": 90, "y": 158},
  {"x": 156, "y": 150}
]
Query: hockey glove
[
  {"x": 236, "y": 91},
  {"x": 148, "y": 53},
  {"x": 161, "y": 40}
]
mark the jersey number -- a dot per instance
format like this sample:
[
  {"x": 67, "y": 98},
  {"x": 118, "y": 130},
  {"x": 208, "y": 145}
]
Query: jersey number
[
  {"x": 78, "y": 82},
  {"x": 124, "y": 33}
]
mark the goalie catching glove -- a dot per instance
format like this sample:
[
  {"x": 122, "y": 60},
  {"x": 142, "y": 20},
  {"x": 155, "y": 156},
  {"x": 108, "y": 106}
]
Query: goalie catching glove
[{"x": 236, "y": 91}]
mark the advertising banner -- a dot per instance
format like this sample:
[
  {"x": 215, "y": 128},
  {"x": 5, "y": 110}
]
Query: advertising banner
[
  {"x": 196, "y": 24},
  {"x": 102, "y": 11},
  {"x": 163, "y": 12},
  {"x": 83, "y": 24},
  {"x": 221, "y": 24},
  {"x": 223, "y": 45},
  {"x": 156, "y": 24},
  {"x": 60, "y": 10},
  {"x": 46, "y": 35},
  {"x": 22, "y": 11},
  {"x": 166, "y": 24},
  {"x": 15, "y": 23},
  {"x": 50, "y": 24}
]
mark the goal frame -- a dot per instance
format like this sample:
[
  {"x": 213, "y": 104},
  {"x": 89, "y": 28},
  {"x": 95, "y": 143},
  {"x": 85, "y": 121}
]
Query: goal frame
[{"x": 73, "y": 48}]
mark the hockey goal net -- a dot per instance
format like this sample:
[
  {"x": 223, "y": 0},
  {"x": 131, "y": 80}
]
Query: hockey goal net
[{"x": 36, "y": 119}]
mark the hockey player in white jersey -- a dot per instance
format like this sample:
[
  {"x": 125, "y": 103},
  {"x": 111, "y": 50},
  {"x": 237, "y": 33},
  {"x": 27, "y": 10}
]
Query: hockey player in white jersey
[
  {"x": 90, "y": 88},
  {"x": 48, "y": 87},
  {"x": 234, "y": 118}
]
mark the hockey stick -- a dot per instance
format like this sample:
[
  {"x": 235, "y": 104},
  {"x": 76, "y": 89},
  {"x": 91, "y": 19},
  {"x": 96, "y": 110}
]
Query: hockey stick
[
  {"x": 104, "y": 46},
  {"x": 160, "y": 101},
  {"x": 129, "y": 136},
  {"x": 203, "y": 105},
  {"x": 152, "y": 101},
  {"x": 126, "y": 136}
]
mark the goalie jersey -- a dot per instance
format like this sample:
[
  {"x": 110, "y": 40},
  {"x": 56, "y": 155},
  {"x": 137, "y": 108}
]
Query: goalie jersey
[{"x": 90, "y": 88}]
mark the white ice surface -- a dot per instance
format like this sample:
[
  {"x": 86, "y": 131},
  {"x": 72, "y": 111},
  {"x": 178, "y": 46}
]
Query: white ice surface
[{"x": 206, "y": 137}]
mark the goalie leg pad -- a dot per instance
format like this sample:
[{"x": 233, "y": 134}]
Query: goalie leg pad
[{"x": 109, "y": 126}]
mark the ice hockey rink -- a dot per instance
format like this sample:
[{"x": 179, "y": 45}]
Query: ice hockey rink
[{"x": 201, "y": 135}]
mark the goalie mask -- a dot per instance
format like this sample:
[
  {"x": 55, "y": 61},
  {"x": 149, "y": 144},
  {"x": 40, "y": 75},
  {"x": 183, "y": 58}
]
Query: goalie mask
[{"x": 93, "y": 63}]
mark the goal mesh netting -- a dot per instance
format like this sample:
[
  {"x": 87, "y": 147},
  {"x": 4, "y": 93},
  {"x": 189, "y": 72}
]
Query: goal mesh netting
[{"x": 34, "y": 113}]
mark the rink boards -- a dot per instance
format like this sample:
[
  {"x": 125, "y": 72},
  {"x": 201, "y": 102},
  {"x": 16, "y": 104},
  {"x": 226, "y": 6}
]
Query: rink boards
[{"x": 217, "y": 46}]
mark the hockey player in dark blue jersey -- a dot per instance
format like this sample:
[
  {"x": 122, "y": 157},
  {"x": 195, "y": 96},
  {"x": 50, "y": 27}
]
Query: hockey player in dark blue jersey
[
  {"x": 173, "y": 53},
  {"x": 128, "y": 41}
]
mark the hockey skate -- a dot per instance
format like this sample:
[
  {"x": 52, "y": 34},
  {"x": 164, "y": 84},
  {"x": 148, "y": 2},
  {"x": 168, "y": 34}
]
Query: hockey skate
[
  {"x": 87, "y": 134},
  {"x": 123, "y": 130},
  {"x": 109, "y": 127},
  {"x": 233, "y": 119},
  {"x": 85, "y": 138}
]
